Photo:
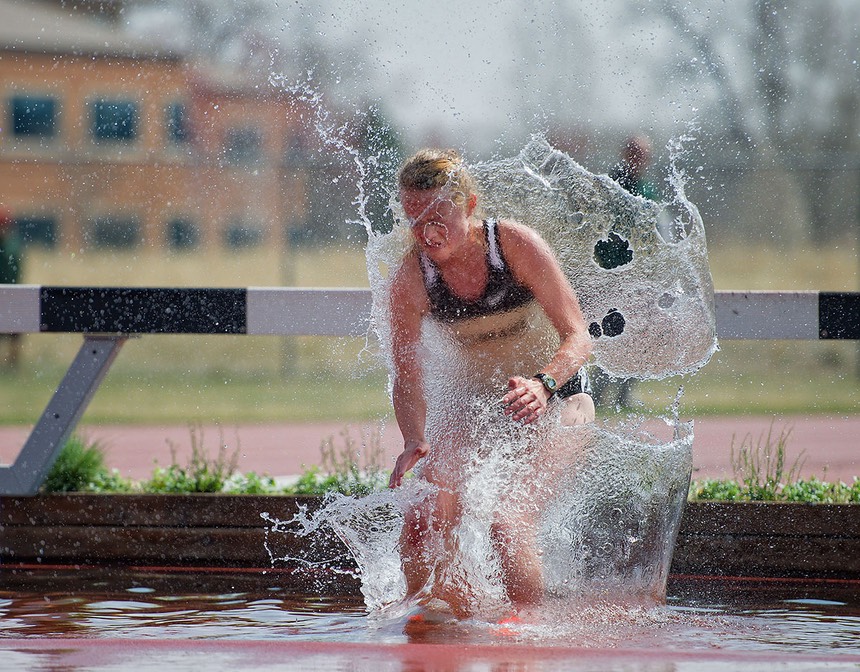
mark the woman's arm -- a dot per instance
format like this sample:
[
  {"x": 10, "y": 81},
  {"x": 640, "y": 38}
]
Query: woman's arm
[
  {"x": 533, "y": 264},
  {"x": 408, "y": 306}
]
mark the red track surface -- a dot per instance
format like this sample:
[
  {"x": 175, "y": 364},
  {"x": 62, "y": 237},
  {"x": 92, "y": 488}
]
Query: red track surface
[{"x": 831, "y": 444}]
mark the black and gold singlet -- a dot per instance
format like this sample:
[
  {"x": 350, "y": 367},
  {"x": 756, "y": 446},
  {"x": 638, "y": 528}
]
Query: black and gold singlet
[{"x": 502, "y": 293}]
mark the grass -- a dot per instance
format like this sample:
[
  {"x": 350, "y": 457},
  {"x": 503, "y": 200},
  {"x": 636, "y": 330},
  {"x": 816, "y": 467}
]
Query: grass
[
  {"x": 235, "y": 379},
  {"x": 79, "y": 465},
  {"x": 127, "y": 397},
  {"x": 766, "y": 377},
  {"x": 743, "y": 265},
  {"x": 762, "y": 475},
  {"x": 354, "y": 467},
  {"x": 761, "y": 466},
  {"x": 804, "y": 491},
  {"x": 351, "y": 467},
  {"x": 342, "y": 266},
  {"x": 202, "y": 473}
]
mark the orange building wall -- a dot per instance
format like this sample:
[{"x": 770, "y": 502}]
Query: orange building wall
[{"x": 75, "y": 179}]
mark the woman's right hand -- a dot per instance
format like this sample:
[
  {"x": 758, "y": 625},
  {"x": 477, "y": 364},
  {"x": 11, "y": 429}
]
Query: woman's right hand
[{"x": 413, "y": 450}]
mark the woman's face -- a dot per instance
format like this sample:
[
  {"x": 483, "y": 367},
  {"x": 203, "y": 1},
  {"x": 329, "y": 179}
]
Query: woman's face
[{"x": 439, "y": 225}]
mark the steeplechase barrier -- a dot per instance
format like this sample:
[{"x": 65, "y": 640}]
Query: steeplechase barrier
[{"x": 108, "y": 316}]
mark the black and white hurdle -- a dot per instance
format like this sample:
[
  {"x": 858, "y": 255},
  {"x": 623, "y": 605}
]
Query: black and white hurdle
[
  {"x": 107, "y": 316},
  {"x": 145, "y": 310},
  {"x": 285, "y": 311}
]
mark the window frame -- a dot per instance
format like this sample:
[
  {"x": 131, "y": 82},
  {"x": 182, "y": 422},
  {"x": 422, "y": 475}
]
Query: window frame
[
  {"x": 174, "y": 137},
  {"x": 182, "y": 234},
  {"x": 93, "y": 237},
  {"x": 238, "y": 234},
  {"x": 240, "y": 157},
  {"x": 46, "y": 224}
]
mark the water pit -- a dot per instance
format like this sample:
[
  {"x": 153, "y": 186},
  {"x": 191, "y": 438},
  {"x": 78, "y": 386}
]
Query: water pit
[{"x": 84, "y": 620}]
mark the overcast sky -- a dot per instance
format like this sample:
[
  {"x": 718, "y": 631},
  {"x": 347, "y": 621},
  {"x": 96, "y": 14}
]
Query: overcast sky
[
  {"x": 484, "y": 75},
  {"x": 492, "y": 70}
]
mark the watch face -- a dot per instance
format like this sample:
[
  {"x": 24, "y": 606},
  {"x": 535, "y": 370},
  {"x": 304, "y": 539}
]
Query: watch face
[{"x": 548, "y": 381}]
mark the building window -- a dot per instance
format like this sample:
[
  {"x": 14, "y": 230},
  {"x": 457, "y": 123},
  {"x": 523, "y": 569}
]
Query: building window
[
  {"x": 178, "y": 124},
  {"x": 115, "y": 120},
  {"x": 114, "y": 232},
  {"x": 182, "y": 234},
  {"x": 239, "y": 235},
  {"x": 38, "y": 230},
  {"x": 33, "y": 117},
  {"x": 242, "y": 146}
]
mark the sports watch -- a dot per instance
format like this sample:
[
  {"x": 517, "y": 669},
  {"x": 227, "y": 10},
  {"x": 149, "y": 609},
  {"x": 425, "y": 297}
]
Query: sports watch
[{"x": 548, "y": 382}]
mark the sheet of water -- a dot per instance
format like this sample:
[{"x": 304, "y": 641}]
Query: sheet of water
[
  {"x": 603, "y": 503},
  {"x": 639, "y": 267}
]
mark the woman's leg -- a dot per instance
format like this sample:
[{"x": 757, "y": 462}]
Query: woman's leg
[
  {"x": 413, "y": 556},
  {"x": 522, "y": 572},
  {"x": 428, "y": 542},
  {"x": 515, "y": 530}
]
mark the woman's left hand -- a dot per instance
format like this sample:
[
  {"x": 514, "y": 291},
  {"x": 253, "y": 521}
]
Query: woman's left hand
[{"x": 526, "y": 400}]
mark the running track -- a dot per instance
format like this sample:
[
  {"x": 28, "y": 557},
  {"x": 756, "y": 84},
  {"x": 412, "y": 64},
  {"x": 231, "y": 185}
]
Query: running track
[{"x": 831, "y": 444}]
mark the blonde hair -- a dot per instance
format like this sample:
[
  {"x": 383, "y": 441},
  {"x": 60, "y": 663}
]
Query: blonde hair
[{"x": 437, "y": 168}]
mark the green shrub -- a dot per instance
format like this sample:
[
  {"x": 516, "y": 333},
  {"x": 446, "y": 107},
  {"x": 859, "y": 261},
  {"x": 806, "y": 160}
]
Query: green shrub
[
  {"x": 345, "y": 469},
  {"x": 760, "y": 475},
  {"x": 716, "y": 489},
  {"x": 80, "y": 467},
  {"x": 251, "y": 484},
  {"x": 761, "y": 466},
  {"x": 351, "y": 468},
  {"x": 111, "y": 481},
  {"x": 77, "y": 465},
  {"x": 814, "y": 491},
  {"x": 201, "y": 474}
]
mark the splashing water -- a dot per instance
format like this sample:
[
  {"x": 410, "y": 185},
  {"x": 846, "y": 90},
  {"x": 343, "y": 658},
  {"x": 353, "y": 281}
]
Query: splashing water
[
  {"x": 603, "y": 503},
  {"x": 613, "y": 528},
  {"x": 643, "y": 282}
]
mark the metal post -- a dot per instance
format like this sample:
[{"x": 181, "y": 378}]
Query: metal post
[{"x": 61, "y": 415}]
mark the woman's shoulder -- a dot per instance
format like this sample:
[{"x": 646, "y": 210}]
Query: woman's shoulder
[
  {"x": 407, "y": 283},
  {"x": 408, "y": 268},
  {"x": 519, "y": 238}
]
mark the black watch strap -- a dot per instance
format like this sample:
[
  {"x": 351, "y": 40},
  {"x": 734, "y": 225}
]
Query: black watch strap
[{"x": 548, "y": 382}]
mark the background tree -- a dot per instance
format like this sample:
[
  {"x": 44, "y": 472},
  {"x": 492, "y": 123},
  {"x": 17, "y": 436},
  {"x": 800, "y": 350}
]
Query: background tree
[{"x": 785, "y": 93}]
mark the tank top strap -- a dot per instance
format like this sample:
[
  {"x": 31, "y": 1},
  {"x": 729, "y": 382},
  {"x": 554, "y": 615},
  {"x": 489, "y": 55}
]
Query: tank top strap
[
  {"x": 494, "y": 254},
  {"x": 428, "y": 270}
]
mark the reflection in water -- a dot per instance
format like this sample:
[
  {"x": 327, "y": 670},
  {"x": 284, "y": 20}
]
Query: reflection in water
[
  {"x": 700, "y": 618},
  {"x": 126, "y": 614}
]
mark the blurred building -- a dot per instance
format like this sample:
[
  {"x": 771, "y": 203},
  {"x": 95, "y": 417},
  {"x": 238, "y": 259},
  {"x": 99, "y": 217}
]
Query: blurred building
[{"x": 110, "y": 142}]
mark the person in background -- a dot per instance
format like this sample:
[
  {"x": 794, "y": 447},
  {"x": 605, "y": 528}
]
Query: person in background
[
  {"x": 10, "y": 274},
  {"x": 630, "y": 170},
  {"x": 629, "y": 173}
]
